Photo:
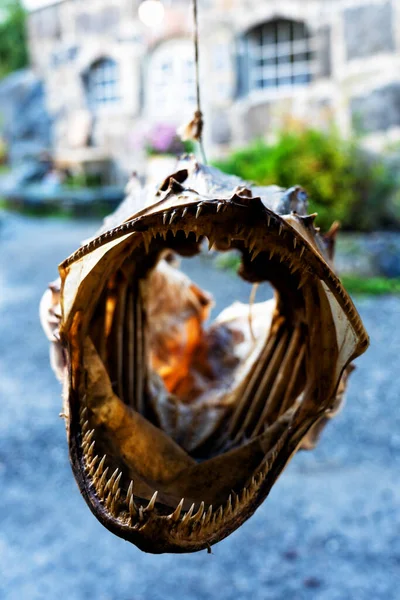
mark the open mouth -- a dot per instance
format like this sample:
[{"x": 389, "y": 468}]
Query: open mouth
[{"x": 178, "y": 430}]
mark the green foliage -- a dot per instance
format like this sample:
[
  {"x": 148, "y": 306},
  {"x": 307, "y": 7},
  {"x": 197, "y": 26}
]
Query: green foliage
[
  {"x": 343, "y": 183},
  {"x": 77, "y": 181},
  {"x": 13, "y": 47},
  {"x": 3, "y": 155},
  {"x": 372, "y": 286},
  {"x": 228, "y": 261}
]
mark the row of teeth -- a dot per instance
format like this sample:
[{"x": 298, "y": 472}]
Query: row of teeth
[
  {"x": 171, "y": 217},
  {"x": 171, "y": 220},
  {"x": 251, "y": 242},
  {"x": 122, "y": 506},
  {"x": 250, "y": 239}
]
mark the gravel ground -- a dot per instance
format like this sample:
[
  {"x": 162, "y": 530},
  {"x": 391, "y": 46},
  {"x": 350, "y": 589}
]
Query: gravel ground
[{"x": 329, "y": 530}]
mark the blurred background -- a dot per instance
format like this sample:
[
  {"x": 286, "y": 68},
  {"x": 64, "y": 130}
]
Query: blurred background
[{"x": 294, "y": 92}]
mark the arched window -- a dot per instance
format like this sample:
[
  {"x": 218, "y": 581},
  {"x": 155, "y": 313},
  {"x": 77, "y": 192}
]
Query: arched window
[
  {"x": 102, "y": 83},
  {"x": 171, "y": 87},
  {"x": 278, "y": 54}
]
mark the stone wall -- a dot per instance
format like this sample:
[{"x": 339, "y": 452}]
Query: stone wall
[
  {"x": 377, "y": 111},
  {"x": 24, "y": 122},
  {"x": 356, "y": 46},
  {"x": 369, "y": 30}
]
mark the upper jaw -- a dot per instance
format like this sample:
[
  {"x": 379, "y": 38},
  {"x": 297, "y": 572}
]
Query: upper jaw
[{"x": 291, "y": 236}]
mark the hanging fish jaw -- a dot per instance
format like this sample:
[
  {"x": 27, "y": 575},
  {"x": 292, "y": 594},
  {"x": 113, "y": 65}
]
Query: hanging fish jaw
[{"x": 145, "y": 484}]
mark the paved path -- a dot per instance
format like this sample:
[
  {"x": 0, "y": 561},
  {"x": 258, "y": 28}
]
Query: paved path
[{"x": 330, "y": 529}]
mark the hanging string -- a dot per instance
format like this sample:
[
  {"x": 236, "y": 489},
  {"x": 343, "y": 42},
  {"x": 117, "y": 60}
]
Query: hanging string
[
  {"x": 198, "y": 122},
  {"x": 194, "y": 129}
]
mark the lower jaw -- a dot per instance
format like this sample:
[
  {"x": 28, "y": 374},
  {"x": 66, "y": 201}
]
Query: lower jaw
[
  {"x": 156, "y": 464},
  {"x": 156, "y": 527},
  {"x": 264, "y": 457}
]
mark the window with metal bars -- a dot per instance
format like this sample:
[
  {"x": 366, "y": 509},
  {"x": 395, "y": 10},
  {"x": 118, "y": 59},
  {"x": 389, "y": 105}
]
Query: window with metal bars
[
  {"x": 279, "y": 54},
  {"x": 102, "y": 83}
]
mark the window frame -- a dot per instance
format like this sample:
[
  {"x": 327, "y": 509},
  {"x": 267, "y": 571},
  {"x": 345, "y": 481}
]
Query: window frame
[
  {"x": 279, "y": 70},
  {"x": 103, "y": 85}
]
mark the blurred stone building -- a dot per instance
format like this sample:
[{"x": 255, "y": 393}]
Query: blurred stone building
[{"x": 109, "y": 78}]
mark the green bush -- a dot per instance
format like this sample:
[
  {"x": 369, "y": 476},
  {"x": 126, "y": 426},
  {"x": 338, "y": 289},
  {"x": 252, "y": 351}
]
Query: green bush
[
  {"x": 13, "y": 44},
  {"x": 83, "y": 180},
  {"x": 342, "y": 181}
]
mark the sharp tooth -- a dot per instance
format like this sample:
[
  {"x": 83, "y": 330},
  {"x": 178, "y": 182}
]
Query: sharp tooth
[
  {"x": 199, "y": 210},
  {"x": 187, "y": 516},
  {"x": 173, "y": 216},
  {"x": 199, "y": 513},
  {"x": 146, "y": 241},
  {"x": 198, "y": 235},
  {"x": 85, "y": 427},
  {"x": 114, "y": 503},
  {"x": 164, "y": 218},
  {"x": 177, "y": 512},
  {"x": 92, "y": 464},
  {"x": 252, "y": 244},
  {"x": 132, "y": 508},
  {"x": 236, "y": 502},
  {"x": 295, "y": 243},
  {"x": 103, "y": 479},
  {"x": 269, "y": 220},
  {"x": 87, "y": 438},
  {"x": 184, "y": 211},
  {"x": 90, "y": 450},
  {"x": 100, "y": 467},
  {"x": 302, "y": 251},
  {"x": 220, "y": 515},
  {"x": 243, "y": 495},
  {"x": 211, "y": 241},
  {"x": 255, "y": 254},
  {"x": 129, "y": 493},
  {"x": 141, "y": 513},
  {"x": 282, "y": 258},
  {"x": 229, "y": 508},
  {"x": 271, "y": 254},
  {"x": 152, "y": 503},
  {"x": 208, "y": 515},
  {"x": 280, "y": 228},
  {"x": 116, "y": 484},
  {"x": 110, "y": 482},
  {"x": 219, "y": 206},
  {"x": 84, "y": 413},
  {"x": 302, "y": 282}
]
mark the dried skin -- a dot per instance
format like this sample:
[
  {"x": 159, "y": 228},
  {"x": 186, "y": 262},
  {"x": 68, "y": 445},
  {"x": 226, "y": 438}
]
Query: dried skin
[{"x": 178, "y": 429}]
